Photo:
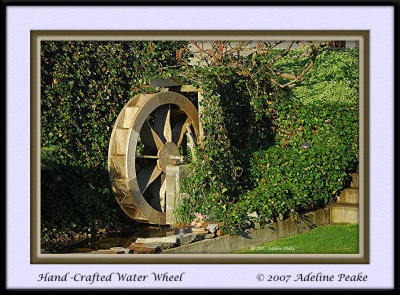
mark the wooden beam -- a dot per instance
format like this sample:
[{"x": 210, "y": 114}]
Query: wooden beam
[{"x": 190, "y": 88}]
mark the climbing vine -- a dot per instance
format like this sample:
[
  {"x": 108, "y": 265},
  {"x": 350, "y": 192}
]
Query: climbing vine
[
  {"x": 84, "y": 86},
  {"x": 251, "y": 162}
]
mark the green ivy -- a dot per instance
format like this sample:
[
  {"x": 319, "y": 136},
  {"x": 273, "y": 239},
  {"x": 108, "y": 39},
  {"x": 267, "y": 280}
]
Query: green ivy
[
  {"x": 84, "y": 86},
  {"x": 333, "y": 78},
  {"x": 251, "y": 159}
]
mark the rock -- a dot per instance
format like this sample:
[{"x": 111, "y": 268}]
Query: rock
[
  {"x": 185, "y": 239},
  {"x": 144, "y": 248},
  {"x": 170, "y": 239},
  {"x": 199, "y": 230},
  {"x": 204, "y": 224},
  {"x": 120, "y": 250},
  {"x": 210, "y": 236},
  {"x": 212, "y": 227},
  {"x": 163, "y": 242},
  {"x": 178, "y": 231},
  {"x": 220, "y": 232},
  {"x": 200, "y": 237},
  {"x": 220, "y": 223},
  {"x": 170, "y": 233}
]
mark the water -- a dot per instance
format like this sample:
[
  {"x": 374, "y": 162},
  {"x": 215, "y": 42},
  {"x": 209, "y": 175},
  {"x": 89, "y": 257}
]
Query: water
[{"x": 121, "y": 239}]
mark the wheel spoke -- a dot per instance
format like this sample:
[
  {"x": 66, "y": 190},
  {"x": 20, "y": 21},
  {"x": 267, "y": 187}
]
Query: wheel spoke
[
  {"x": 149, "y": 137},
  {"x": 162, "y": 125},
  {"x": 147, "y": 175},
  {"x": 179, "y": 130},
  {"x": 167, "y": 127},
  {"x": 191, "y": 138},
  {"x": 147, "y": 157}
]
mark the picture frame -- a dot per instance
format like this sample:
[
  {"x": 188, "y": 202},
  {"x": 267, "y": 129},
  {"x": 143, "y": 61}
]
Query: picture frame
[{"x": 193, "y": 266}]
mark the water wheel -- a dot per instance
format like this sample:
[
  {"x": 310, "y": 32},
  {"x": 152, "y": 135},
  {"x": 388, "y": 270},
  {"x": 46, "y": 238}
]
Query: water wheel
[{"x": 149, "y": 134}]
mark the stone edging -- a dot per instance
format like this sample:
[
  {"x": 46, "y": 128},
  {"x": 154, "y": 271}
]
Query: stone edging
[
  {"x": 277, "y": 230},
  {"x": 345, "y": 210},
  {"x": 197, "y": 243}
]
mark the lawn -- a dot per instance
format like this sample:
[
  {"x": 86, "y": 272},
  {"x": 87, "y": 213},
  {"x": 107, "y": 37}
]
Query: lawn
[{"x": 330, "y": 239}]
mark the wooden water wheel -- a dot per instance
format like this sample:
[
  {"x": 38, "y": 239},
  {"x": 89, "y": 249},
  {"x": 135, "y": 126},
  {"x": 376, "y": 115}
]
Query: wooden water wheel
[{"x": 149, "y": 134}]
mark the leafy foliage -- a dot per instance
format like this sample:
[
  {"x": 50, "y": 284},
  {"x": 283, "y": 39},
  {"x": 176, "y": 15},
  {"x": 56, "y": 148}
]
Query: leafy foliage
[
  {"x": 334, "y": 77},
  {"x": 291, "y": 179},
  {"x": 252, "y": 160},
  {"x": 84, "y": 86}
]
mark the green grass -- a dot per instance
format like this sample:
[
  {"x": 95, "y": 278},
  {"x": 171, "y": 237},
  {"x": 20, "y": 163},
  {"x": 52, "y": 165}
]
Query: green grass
[{"x": 330, "y": 239}]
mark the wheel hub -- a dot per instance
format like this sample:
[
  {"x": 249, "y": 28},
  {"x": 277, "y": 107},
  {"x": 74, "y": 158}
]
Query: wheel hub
[{"x": 166, "y": 151}]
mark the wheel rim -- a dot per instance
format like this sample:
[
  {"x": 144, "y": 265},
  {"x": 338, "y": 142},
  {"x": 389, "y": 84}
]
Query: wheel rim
[{"x": 149, "y": 130}]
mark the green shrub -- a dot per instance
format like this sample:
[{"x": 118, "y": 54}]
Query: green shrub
[
  {"x": 235, "y": 126},
  {"x": 75, "y": 200},
  {"x": 291, "y": 179},
  {"x": 252, "y": 160},
  {"x": 334, "y": 77}
]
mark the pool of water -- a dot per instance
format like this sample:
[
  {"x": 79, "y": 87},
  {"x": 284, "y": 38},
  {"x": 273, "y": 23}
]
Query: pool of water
[{"x": 122, "y": 239}]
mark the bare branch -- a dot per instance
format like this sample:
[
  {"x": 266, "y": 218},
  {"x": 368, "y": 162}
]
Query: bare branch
[
  {"x": 278, "y": 57},
  {"x": 234, "y": 55}
]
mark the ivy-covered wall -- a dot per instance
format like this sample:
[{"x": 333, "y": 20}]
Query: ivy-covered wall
[
  {"x": 84, "y": 86},
  {"x": 252, "y": 162}
]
